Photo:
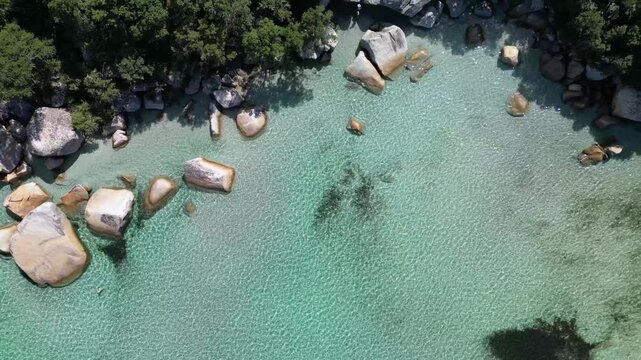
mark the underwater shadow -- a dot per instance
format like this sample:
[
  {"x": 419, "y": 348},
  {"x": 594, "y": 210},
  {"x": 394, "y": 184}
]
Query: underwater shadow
[{"x": 277, "y": 89}]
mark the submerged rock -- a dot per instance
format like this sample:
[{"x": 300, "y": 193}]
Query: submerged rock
[
  {"x": 25, "y": 198},
  {"x": 128, "y": 180},
  {"x": 45, "y": 246},
  {"x": 6, "y": 232},
  {"x": 207, "y": 174},
  {"x": 160, "y": 191},
  {"x": 153, "y": 101},
  {"x": 605, "y": 121},
  {"x": 53, "y": 163},
  {"x": 356, "y": 126},
  {"x": 627, "y": 103},
  {"x": 387, "y": 48},
  {"x": 553, "y": 68},
  {"x": 474, "y": 35},
  {"x": 429, "y": 16},
  {"x": 189, "y": 208},
  {"x": 50, "y": 133},
  {"x": 108, "y": 211},
  {"x": 518, "y": 104},
  {"x": 251, "y": 122},
  {"x": 10, "y": 151},
  {"x": 510, "y": 55},
  {"x": 364, "y": 73}
]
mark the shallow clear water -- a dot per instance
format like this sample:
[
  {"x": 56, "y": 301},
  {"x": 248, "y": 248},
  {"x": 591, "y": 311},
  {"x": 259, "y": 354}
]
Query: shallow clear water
[{"x": 447, "y": 221}]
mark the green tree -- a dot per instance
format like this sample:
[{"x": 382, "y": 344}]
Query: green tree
[
  {"x": 84, "y": 120},
  {"x": 100, "y": 90},
  {"x": 270, "y": 43},
  {"x": 26, "y": 62},
  {"x": 314, "y": 23}
]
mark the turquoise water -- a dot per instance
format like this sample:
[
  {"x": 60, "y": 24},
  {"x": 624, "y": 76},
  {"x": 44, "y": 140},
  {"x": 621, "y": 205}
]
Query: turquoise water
[{"x": 447, "y": 221}]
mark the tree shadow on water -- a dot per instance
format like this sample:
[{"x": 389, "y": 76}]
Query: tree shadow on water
[{"x": 283, "y": 88}]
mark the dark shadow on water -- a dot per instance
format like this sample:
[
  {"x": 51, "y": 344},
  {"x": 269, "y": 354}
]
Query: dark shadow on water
[
  {"x": 558, "y": 340},
  {"x": 277, "y": 89},
  {"x": 116, "y": 251}
]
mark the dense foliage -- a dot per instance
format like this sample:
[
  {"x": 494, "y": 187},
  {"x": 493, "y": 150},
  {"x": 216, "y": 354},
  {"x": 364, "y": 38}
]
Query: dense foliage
[
  {"x": 99, "y": 47},
  {"x": 606, "y": 32}
]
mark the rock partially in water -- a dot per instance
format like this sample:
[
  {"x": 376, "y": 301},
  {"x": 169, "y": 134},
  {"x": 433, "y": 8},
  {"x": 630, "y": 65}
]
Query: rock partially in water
[
  {"x": 45, "y": 246},
  {"x": 108, "y": 211},
  {"x": 153, "y": 101},
  {"x": 53, "y": 163},
  {"x": 119, "y": 139},
  {"x": 228, "y": 98},
  {"x": 483, "y": 9},
  {"x": 474, "y": 35},
  {"x": 518, "y": 105},
  {"x": 127, "y": 102},
  {"x": 50, "y": 133},
  {"x": 128, "y": 180},
  {"x": 356, "y": 126},
  {"x": 429, "y": 16},
  {"x": 627, "y": 103},
  {"x": 605, "y": 121},
  {"x": 215, "y": 120},
  {"x": 363, "y": 72},
  {"x": 510, "y": 55},
  {"x": 553, "y": 68},
  {"x": 251, "y": 122},
  {"x": 118, "y": 122},
  {"x": 456, "y": 8},
  {"x": 559, "y": 340},
  {"x": 6, "y": 232},
  {"x": 161, "y": 189},
  {"x": 25, "y": 198},
  {"x": 593, "y": 155},
  {"x": 387, "y": 48},
  {"x": 71, "y": 202},
  {"x": 21, "y": 172},
  {"x": 575, "y": 69},
  {"x": 10, "y": 151},
  {"x": 208, "y": 174}
]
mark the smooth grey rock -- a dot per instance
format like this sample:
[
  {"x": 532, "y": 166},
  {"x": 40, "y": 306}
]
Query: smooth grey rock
[
  {"x": 10, "y": 151},
  {"x": 363, "y": 72},
  {"x": 387, "y": 48},
  {"x": 127, "y": 102},
  {"x": 627, "y": 103},
  {"x": 20, "y": 109},
  {"x": 406, "y": 7},
  {"x": 118, "y": 122},
  {"x": 50, "y": 133},
  {"x": 153, "y": 101},
  {"x": 575, "y": 69},
  {"x": 45, "y": 246},
  {"x": 429, "y": 16},
  {"x": 119, "y": 139},
  {"x": 17, "y": 130},
  {"x": 456, "y": 8},
  {"x": 594, "y": 74},
  {"x": 553, "y": 69},
  {"x": 215, "y": 120},
  {"x": 228, "y": 98}
]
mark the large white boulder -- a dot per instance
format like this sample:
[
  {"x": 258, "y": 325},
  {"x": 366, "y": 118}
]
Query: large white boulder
[
  {"x": 25, "y": 198},
  {"x": 10, "y": 151},
  {"x": 50, "y": 133},
  {"x": 46, "y": 247},
  {"x": 215, "y": 120},
  {"x": 387, "y": 48},
  {"x": 510, "y": 55},
  {"x": 363, "y": 72},
  {"x": 207, "y": 174},
  {"x": 108, "y": 211},
  {"x": 627, "y": 103},
  {"x": 251, "y": 122}
]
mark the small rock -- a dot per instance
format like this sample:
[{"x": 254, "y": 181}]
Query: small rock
[
  {"x": 251, "y": 122},
  {"x": 189, "y": 208},
  {"x": 128, "y": 180},
  {"x": 118, "y": 122},
  {"x": 127, "y": 102},
  {"x": 57, "y": 94},
  {"x": 575, "y": 69},
  {"x": 22, "y": 171},
  {"x": 46, "y": 248},
  {"x": 510, "y": 55},
  {"x": 25, "y": 198},
  {"x": 119, "y": 139},
  {"x": 474, "y": 35},
  {"x": 571, "y": 95},
  {"x": 207, "y": 174},
  {"x": 108, "y": 211},
  {"x": 228, "y": 98},
  {"x": 593, "y": 155},
  {"x": 518, "y": 104},
  {"x": 193, "y": 86},
  {"x": 227, "y": 80},
  {"x": 10, "y": 151},
  {"x": 210, "y": 84},
  {"x": 456, "y": 8},
  {"x": 429, "y": 16},
  {"x": 355, "y": 126},
  {"x": 215, "y": 120},
  {"x": 160, "y": 191},
  {"x": 70, "y": 202},
  {"x": 575, "y": 87}
]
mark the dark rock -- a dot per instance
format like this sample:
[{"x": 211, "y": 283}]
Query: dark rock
[
  {"x": 429, "y": 16},
  {"x": 483, "y": 10},
  {"x": 227, "y": 80},
  {"x": 57, "y": 94},
  {"x": 127, "y": 102},
  {"x": 17, "y": 130},
  {"x": 20, "y": 109},
  {"x": 456, "y": 8},
  {"x": 553, "y": 69},
  {"x": 10, "y": 151},
  {"x": 474, "y": 35}
]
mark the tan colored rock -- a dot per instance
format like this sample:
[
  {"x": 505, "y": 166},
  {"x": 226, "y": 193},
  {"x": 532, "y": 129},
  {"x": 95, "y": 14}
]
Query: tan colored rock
[
  {"x": 605, "y": 121},
  {"x": 161, "y": 189},
  {"x": 25, "y": 198},
  {"x": 189, "y": 208},
  {"x": 593, "y": 155},
  {"x": 510, "y": 55},
  {"x": 5, "y": 235},
  {"x": 46, "y": 247},
  {"x": 128, "y": 180},
  {"x": 22, "y": 171},
  {"x": 70, "y": 202},
  {"x": 387, "y": 48},
  {"x": 518, "y": 104},
  {"x": 356, "y": 126},
  {"x": 362, "y": 71},
  {"x": 251, "y": 122},
  {"x": 108, "y": 211},
  {"x": 207, "y": 174}
]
